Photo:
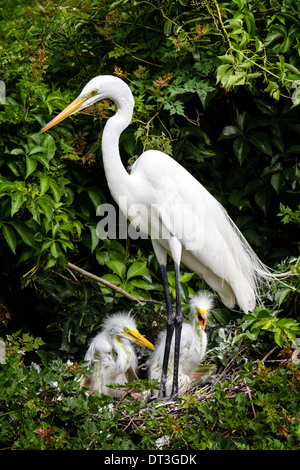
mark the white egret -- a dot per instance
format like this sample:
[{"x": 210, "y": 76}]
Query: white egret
[
  {"x": 183, "y": 219},
  {"x": 193, "y": 344},
  {"x": 111, "y": 354}
]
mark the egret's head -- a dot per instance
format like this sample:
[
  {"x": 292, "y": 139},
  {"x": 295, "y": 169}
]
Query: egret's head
[
  {"x": 122, "y": 325},
  {"x": 200, "y": 305},
  {"x": 99, "y": 88}
]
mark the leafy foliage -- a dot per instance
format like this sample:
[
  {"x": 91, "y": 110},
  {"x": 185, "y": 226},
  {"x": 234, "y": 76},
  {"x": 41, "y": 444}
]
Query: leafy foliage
[
  {"x": 46, "y": 408},
  {"x": 216, "y": 85}
]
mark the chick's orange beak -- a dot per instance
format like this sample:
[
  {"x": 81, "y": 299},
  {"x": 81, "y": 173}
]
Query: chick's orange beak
[
  {"x": 201, "y": 317},
  {"x": 72, "y": 108},
  {"x": 139, "y": 339}
]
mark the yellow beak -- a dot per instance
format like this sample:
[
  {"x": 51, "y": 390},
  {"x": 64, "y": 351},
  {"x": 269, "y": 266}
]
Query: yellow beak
[
  {"x": 72, "y": 108},
  {"x": 139, "y": 339},
  {"x": 201, "y": 317}
]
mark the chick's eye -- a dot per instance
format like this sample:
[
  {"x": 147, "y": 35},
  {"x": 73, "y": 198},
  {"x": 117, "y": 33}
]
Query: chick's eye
[{"x": 125, "y": 329}]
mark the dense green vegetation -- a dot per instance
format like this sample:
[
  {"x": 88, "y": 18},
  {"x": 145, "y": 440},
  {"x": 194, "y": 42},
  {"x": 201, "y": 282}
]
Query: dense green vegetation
[{"x": 216, "y": 86}]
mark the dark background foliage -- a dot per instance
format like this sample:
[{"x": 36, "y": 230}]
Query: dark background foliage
[{"x": 215, "y": 85}]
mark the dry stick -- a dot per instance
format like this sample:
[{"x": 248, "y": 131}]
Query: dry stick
[
  {"x": 267, "y": 355},
  {"x": 228, "y": 365},
  {"x": 250, "y": 397},
  {"x": 104, "y": 282},
  {"x": 110, "y": 285},
  {"x": 73, "y": 281},
  {"x": 78, "y": 283}
]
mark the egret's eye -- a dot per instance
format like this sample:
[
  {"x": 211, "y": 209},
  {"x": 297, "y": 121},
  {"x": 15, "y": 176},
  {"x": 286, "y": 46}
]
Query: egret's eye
[
  {"x": 94, "y": 92},
  {"x": 125, "y": 329}
]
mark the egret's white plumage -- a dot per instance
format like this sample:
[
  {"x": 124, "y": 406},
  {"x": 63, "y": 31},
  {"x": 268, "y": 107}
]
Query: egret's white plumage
[
  {"x": 183, "y": 219},
  {"x": 175, "y": 205},
  {"x": 193, "y": 345},
  {"x": 111, "y": 354}
]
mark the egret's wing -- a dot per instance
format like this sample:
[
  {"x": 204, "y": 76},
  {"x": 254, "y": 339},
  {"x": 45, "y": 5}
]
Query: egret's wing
[
  {"x": 99, "y": 357},
  {"x": 98, "y": 347},
  {"x": 212, "y": 245},
  {"x": 95, "y": 381}
]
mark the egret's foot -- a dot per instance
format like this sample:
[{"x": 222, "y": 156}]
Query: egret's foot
[{"x": 166, "y": 398}]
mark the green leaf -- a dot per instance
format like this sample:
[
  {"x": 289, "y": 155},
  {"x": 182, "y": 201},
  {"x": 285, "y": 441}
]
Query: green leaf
[
  {"x": 137, "y": 269},
  {"x": 168, "y": 28},
  {"x": 14, "y": 168},
  {"x": 102, "y": 257},
  {"x": 224, "y": 71},
  {"x": 117, "y": 267},
  {"x": 94, "y": 238},
  {"x": 31, "y": 164},
  {"x": 281, "y": 295},
  {"x": 17, "y": 152},
  {"x": 277, "y": 181},
  {"x": 263, "y": 199},
  {"x": 278, "y": 337},
  {"x": 186, "y": 277},
  {"x": 49, "y": 145},
  {"x": 36, "y": 149},
  {"x": 10, "y": 237},
  {"x": 16, "y": 202},
  {"x": 44, "y": 184},
  {"x": 242, "y": 121},
  {"x": 253, "y": 335},
  {"x": 25, "y": 233},
  {"x": 267, "y": 323},
  {"x": 141, "y": 284},
  {"x": 55, "y": 250},
  {"x": 42, "y": 159},
  {"x": 112, "y": 278},
  {"x": 221, "y": 316},
  {"x": 241, "y": 148},
  {"x": 229, "y": 131},
  {"x": 47, "y": 206},
  {"x": 175, "y": 107},
  {"x": 262, "y": 141},
  {"x": 248, "y": 322},
  {"x": 95, "y": 197},
  {"x": 55, "y": 190}
]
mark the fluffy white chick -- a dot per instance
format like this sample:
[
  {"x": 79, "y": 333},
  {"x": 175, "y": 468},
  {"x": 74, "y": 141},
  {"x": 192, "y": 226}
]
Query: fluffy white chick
[
  {"x": 193, "y": 345},
  {"x": 111, "y": 354}
]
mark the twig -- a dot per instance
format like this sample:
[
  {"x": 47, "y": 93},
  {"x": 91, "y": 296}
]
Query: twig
[
  {"x": 73, "y": 276},
  {"x": 250, "y": 397},
  {"x": 40, "y": 6},
  {"x": 72, "y": 281},
  {"x": 269, "y": 354},
  {"x": 226, "y": 368},
  {"x": 108, "y": 284},
  {"x": 104, "y": 282}
]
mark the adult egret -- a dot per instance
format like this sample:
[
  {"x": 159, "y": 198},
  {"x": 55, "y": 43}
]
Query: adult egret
[
  {"x": 193, "y": 344},
  {"x": 111, "y": 354},
  {"x": 183, "y": 219}
]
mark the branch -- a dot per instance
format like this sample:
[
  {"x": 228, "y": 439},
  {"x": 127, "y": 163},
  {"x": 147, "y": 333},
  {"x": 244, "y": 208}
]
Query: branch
[
  {"x": 104, "y": 282},
  {"x": 229, "y": 364},
  {"x": 250, "y": 397}
]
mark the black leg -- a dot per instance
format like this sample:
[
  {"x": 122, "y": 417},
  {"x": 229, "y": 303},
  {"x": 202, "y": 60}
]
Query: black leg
[
  {"x": 170, "y": 330},
  {"x": 178, "y": 327}
]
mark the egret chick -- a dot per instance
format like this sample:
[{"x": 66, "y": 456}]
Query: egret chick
[
  {"x": 192, "y": 346},
  {"x": 112, "y": 356}
]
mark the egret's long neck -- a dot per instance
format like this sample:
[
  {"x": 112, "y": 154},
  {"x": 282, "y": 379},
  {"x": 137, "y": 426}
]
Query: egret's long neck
[{"x": 117, "y": 177}]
